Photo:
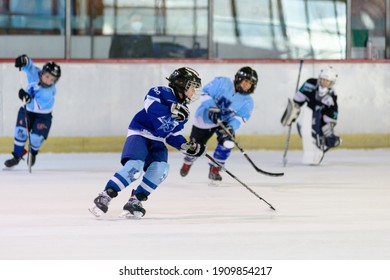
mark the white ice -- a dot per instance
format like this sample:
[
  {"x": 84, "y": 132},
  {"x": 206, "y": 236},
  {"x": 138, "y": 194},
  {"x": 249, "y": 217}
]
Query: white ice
[{"x": 339, "y": 210}]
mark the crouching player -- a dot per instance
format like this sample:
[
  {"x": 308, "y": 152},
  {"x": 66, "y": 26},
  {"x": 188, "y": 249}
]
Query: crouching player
[{"x": 320, "y": 116}]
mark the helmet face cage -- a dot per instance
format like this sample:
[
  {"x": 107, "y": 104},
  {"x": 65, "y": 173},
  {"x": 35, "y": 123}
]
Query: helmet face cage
[
  {"x": 327, "y": 74},
  {"x": 248, "y": 74},
  {"x": 195, "y": 96},
  {"x": 53, "y": 69},
  {"x": 181, "y": 80}
]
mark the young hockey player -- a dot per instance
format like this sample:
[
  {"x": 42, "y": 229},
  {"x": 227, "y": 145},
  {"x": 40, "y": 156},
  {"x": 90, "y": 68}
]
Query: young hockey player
[
  {"x": 320, "y": 97},
  {"x": 227, "y": 102},
  {"x": 160, "y": 121},
  {"x": 39, "y": 97}
]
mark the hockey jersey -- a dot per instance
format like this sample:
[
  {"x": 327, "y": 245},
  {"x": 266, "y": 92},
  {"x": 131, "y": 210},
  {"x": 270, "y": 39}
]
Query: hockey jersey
[
  {"x": 235, "y": 108},
  {"x": 155, "y": 120},
  {"x": 324, "y": 106},
  {"x": 42, "y": 98}
]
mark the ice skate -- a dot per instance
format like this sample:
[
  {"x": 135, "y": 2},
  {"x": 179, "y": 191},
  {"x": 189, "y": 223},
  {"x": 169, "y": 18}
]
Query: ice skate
[
  {"x": 13, "y": 161},
  {"x": 134, "y": 207},
  {"x": 214, "y": 173},
  {"x": 185, "y": 169},
  {"x": 102, "y": 202}
]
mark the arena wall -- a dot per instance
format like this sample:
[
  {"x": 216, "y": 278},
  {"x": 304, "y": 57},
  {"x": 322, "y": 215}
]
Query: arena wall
[{"x": 97, "y": 99}]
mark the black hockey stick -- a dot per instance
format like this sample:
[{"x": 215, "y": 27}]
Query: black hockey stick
[
  {"x": 289, "y": 127},
  {"x": 29, "y": 159},
  {"x": 238, "y": 180},
  {"x": 244, "y": 153}
]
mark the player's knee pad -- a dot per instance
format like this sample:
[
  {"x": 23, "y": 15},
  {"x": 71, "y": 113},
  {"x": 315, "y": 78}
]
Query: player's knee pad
[
  {"x": 156, "y": 173},
  {"x": 130, "y": 172},
  {"x": 221, "y": 153},
  {"x": 21, "y": 134},
  {"x": 36, "y": 141}
]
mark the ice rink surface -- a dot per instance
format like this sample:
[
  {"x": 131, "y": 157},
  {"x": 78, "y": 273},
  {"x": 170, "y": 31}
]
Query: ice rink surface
[{"x": 337, "y": 211}]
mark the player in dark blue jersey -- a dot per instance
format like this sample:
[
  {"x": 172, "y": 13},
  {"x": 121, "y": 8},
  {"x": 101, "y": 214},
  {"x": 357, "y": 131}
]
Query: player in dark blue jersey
[
  {"x": 321, "y": 99},
  {"x": 226, "y": 101},
  {"x": 160, "y": 122}
]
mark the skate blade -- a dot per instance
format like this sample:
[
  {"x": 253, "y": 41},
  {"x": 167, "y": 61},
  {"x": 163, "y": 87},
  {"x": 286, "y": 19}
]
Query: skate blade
[
  {"x": 96, "y": 211},
  {"x": 138, "y": 215},
  {"x": 6, "y": 168},
  {"x": 213, "y": 183},
  {"x": 127, "y": 215}
]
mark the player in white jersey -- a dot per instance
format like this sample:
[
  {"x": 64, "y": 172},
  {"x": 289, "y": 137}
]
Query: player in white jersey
[
  {"x": 160, "y": 122},
  {"x": 227, "y": 102}
]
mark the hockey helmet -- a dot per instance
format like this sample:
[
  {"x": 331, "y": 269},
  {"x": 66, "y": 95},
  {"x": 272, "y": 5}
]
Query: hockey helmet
[
  {"x": 327, "y": 79},
  {"x": 53, "y": 69},
  {"x": 245, "y": 73},
  {"x": 181, "y": 80},
  {"x": 328, "y": 74}
]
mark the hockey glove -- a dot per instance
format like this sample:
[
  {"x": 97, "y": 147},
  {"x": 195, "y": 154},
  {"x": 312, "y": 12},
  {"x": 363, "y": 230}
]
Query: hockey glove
[
  {"x": 331, "y": 140},
  {"x": 21, "y": 61},
  {"x": 291, "y": 113},
  {"x": 226, "y": 137},
  {"x": 214, "y": 114},
  {"x": 23, "y": 95},
  {"x": 193, "y": 149},
  {"x": 180, "y": 112}
]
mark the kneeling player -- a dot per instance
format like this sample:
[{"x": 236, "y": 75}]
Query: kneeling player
[{"x": 320, "y": 115}]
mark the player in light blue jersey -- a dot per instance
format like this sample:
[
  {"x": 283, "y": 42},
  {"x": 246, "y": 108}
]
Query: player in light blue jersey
[
  {"x": 160, "y": 122},
  {"x": 226, "y": 101},
  {"x": 39, "y": 97}
]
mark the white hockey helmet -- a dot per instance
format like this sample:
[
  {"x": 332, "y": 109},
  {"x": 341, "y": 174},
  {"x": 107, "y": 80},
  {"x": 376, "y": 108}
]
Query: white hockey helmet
[
  {"x": 328, "y": 74},
  {"x": 326, "y": 80}
]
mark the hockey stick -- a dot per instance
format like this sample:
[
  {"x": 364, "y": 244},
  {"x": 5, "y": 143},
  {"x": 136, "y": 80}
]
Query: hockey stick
[
  {"x": 244, "y": 153},
  {"x": 29, "y": 159},
  {"x": 234, "y": 177},
  {"x": 289, "y": 127}
]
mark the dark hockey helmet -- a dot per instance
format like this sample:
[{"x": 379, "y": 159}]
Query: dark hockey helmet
[
  {"x": 245, "y": 73},
  {"x": 181, "y": 80},
  {"x": 52, "y": 68}
]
